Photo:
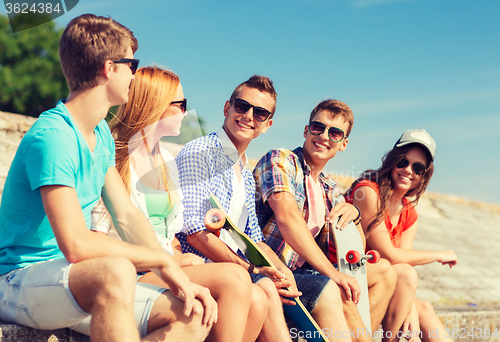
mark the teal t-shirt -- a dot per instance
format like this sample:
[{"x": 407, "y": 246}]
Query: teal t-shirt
[{"x": 53, "y": 152}]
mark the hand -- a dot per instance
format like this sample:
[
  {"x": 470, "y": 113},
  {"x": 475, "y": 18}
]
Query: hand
[
  {"x": 178, "y": 283},
  {"x": 411, "y": 325},
  {"x": 349, "y": 284},
  {"x": 209, "y": 303},
  {"x": 188, "y": 259},
  {"x": 448, "y": 258},
  {"x": 284, "y": 282},
  {"x": 347, "y": 211}
]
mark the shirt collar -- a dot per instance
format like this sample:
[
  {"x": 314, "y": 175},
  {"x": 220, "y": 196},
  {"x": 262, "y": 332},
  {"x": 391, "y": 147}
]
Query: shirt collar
[
  {"x": 229, "y": 148},
  {"x": 307, "y": 170}
]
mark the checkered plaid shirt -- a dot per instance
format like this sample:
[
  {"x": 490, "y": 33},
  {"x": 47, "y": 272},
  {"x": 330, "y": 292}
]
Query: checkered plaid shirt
[
  {"x": 283, "y": 170},
  {"x": 205, "y": 168}
]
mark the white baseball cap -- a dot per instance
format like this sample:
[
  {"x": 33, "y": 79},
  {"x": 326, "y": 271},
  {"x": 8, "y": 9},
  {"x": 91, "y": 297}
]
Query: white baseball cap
[{"x": 418, "y": 136}]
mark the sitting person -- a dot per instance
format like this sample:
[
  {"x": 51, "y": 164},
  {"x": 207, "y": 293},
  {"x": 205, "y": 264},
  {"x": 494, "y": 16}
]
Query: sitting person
[
  {"x": 215, "y": 164},
  {"x": 386, "y": 198},
  {"x": 288, "y": 179},
  {"x": 155, "y": 109},
  {"x": 55, "y": 272}
]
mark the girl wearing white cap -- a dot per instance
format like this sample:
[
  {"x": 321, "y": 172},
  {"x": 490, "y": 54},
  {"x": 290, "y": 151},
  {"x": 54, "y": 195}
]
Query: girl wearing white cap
[{"x": 386, "y": 198}]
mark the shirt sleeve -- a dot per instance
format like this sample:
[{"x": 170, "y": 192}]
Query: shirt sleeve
[
  {"x": 276, "y": 172},
  {"x": 53, "y": 159},
  {"x": 108, "y": 141},
  {"x": 193, "y": 164}
]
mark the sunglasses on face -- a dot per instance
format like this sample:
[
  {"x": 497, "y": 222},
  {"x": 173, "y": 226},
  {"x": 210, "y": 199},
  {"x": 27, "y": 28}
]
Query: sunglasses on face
[
  {"x": 183, "y": 104},
  {"x": 241, "y": 107},
  {"x": 417, "y": 167},
  {"x": 132, "y": 63},
  {"x": 334, "y": 133}
]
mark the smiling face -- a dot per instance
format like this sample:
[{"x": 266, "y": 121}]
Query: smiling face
[
  {"x": 243, "y": 128},
  {"x": 405, "y": 179},
  {"x": 319, "y": 149}
]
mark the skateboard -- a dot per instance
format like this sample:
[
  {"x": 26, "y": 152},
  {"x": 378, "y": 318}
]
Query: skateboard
[
  {"x": 216, "y": 219},
  {"x": 351, "y": 260}
]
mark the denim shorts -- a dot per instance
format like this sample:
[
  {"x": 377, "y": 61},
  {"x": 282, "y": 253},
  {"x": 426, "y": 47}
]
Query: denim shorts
[
  {"x": 311, "y": 283},
  {"x": 39, "y": 296}
]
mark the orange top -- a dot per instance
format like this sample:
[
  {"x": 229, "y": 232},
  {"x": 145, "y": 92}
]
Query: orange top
[{"x": 407, "y": 218}]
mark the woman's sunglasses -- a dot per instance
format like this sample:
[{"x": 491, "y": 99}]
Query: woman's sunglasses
[
  {"x": 132, "y": 63},
  {"x": 418, "y": 168},
  {"x": 334, "y": 133},
  {"x": 241, "y": 107},
  {"x": 183, "y": 104}
]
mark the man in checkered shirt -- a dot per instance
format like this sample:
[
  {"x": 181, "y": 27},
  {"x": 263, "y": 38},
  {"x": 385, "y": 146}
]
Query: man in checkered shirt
[{"x": 216, "y": 164}]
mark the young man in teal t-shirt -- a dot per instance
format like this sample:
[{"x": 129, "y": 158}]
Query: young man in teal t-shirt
[{"x": 54, "y": 271}]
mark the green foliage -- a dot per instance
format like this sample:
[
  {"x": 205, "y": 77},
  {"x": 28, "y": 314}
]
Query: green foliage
[{"x": 31, "y": 79}]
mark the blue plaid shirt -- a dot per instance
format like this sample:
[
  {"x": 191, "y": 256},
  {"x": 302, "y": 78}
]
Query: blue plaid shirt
[{"x": 205, "y": 168}]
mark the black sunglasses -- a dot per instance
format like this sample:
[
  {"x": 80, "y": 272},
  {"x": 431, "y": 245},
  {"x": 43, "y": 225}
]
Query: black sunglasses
[
  {"x": 417, "y": 167},
  {"x": 334, "y": 133},
  {"x": 183, "y": 104},
  {"x": 260, "y": 114},
  {"x": 132, "y": 63}
]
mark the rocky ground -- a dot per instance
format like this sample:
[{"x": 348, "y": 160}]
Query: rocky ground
[{"x": 470, "y": 228}]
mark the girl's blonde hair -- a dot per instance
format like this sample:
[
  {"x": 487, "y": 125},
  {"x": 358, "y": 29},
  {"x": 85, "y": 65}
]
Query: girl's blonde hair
[{"x": 151, "y": 93}]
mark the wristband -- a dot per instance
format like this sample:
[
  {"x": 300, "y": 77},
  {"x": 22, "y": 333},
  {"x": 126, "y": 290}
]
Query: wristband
[
  {"x": 357, "y": 220},
  {"x": 251, "y": 268}
]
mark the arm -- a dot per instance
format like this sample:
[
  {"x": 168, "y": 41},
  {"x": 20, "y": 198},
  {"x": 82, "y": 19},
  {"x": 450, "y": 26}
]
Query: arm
[
  {"x": 78, "y": 243},
  {"x": 379, "y": 238},
  {"x": 295, "y": 232}
]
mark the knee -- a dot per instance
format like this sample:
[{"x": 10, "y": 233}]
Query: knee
[
  {"x": 407, "y": 276},
  {"x": 424, "y": 308},
  {"x": 270, "y": 291},
  {"x": 117, "y": 276},
  {"x": 331, "y": 299},
  {"x": 235, "y": 280},
  {"x": 258, "y": 305}
]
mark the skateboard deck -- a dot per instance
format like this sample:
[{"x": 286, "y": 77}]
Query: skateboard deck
[
  {"x": 298, "y": 313},
  {"x": 351, "y": 260}
]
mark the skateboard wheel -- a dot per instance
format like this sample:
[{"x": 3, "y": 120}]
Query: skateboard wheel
[
  {"x": 375, "y": 256},
  {"x": 214, "y": 221},
  {"x": 353, "y": 257}
]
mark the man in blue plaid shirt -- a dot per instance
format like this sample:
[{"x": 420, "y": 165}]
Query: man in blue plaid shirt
[{"x": 216, "y": 164}]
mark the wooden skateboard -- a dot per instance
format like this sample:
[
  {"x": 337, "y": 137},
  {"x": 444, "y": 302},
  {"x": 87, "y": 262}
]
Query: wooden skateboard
[
  {"x": 216, "y": 219},
  {"x": 352, "y": 260}
]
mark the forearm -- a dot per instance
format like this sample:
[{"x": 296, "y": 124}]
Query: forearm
[
  {"x": 134, "y": 228},
  {"x": 300, "y": 239},
  {"x": 214, "y": 249},
  {"x": 410, "y": 256}
]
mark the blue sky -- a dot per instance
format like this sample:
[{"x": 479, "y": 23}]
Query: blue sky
[{"x": 399, "y": 64}]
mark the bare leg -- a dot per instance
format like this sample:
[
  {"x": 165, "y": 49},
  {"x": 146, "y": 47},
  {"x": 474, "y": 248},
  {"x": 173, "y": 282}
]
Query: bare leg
[
  {"x": 354, "y": 320},
  {"x": 401, "y": 302},
  {"x": 275, "y": 328},
  {"x": 105, "y": 288},
  {"x": 231, "y": 287},
  {"x": 430, "y": 324},
  {"x": 382, "y": 280},
  {"x": 329, "y": 315},
  {"x": 167, "y": 321}
]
